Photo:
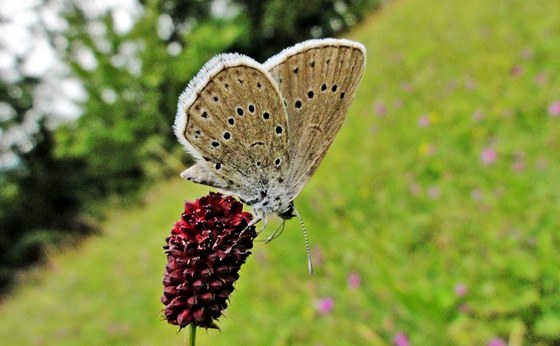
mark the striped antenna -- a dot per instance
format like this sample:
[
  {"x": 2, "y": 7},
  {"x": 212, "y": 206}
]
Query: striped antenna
[{"x": 309, "y": 264}]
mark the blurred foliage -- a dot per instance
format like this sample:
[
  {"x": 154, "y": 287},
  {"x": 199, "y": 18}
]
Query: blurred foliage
[
  {"x": 277, "y": 24},
  {"x": 132, "y": 79},
  {"x": 39, "y": 200}
]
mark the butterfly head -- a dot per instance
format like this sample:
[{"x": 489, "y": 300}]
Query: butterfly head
[{"x": 288, "y": 213}]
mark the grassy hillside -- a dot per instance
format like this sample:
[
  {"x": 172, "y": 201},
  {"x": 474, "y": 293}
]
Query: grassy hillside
[{"x": 441, "y": 194}]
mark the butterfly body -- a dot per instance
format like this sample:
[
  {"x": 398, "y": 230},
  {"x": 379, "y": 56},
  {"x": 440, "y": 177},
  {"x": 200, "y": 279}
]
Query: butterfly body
[{"x": 260, "y": 131}]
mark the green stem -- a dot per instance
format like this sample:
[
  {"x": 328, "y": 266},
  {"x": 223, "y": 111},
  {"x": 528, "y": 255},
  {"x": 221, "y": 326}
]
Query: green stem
[{"x": 193, "y": 334}]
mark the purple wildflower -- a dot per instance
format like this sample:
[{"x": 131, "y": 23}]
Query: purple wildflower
[
  {"x": 497, "y": 342},
  {"x": 401, "y": 339},
  {"x": 554, "y": 109},
  {"x": 461, "y": 290},
  {"x": 488, "y": 156},
  {"x": 325, "y": 305},
  {"x": 354, "y": 280}
]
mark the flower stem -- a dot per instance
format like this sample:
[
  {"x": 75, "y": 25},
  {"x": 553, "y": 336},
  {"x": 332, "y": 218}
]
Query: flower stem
[{"x": 193, "y": 335}]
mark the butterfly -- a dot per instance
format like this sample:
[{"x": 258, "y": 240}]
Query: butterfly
[{"x": 260, "y": 131}]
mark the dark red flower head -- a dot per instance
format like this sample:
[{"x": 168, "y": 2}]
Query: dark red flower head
[{"x": 204, "y": 254}]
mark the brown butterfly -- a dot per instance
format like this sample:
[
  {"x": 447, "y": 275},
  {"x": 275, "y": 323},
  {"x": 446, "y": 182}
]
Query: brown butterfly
[{"x": 260, "y": 131}]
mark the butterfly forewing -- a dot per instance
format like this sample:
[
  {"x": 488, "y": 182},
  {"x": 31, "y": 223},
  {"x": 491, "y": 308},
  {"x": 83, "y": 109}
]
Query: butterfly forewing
[
  {"x": 232, "y": 120},
  {"x": 317, "y": 80}
]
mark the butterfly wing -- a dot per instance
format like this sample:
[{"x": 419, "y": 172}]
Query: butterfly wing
[
  {"x": 318, "y": 80},
  {"x": 231, "y": 119}
]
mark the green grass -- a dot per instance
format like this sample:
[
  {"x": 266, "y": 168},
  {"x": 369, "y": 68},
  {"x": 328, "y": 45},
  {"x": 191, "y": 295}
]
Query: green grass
[{"x": 413, "y": 210}]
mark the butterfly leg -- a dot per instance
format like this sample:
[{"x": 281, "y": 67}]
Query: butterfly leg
[
  {"x": 276, "y": 233},
  {"x": 253, "y": 222},
  {"x": 265, "y": 223},
  {"x": 259, "y": 216}
]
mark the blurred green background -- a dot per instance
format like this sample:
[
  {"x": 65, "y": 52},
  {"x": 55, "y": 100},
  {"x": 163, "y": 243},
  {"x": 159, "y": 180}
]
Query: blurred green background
[{"x": 433, "y": 218}]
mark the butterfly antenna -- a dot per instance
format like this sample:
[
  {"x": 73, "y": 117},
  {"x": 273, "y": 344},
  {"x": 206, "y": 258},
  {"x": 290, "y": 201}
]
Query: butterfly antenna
[{"x": 309, "y": 264}]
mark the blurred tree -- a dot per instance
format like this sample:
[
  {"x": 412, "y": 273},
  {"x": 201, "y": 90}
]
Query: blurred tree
[
  {"x": 277, "y": 24},
  {"x": 39, "y": 203},
  {"x": 41, "y": 195},
  {"x": 16, "y": 99},
  {"x": 38, "y": 198}
]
